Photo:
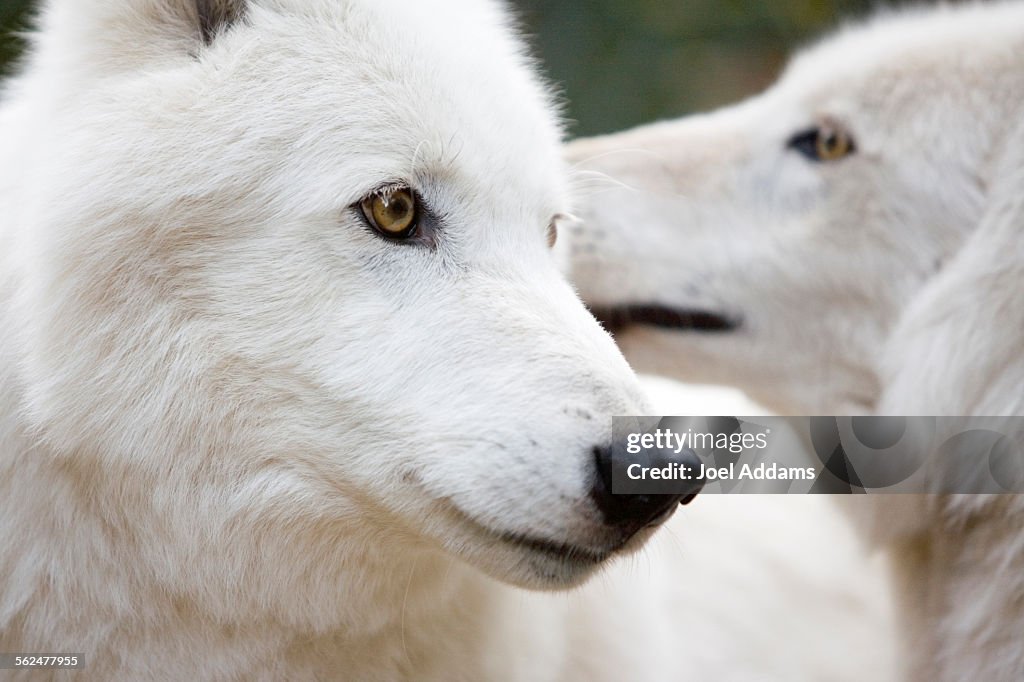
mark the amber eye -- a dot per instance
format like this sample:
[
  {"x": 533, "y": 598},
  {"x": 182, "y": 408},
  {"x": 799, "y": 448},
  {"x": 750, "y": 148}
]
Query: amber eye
[
  {"x": 832, "y": 144},
  {"x": 392, "y": 211},
  {"x": 823, "y": 143}
]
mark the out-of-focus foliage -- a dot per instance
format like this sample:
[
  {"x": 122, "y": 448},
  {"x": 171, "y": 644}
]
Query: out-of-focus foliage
[
  {"x": 622, "y": 62},
  {"x": 12, "y": 19}
]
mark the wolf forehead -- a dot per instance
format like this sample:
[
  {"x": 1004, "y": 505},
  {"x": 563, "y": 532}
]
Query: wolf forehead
[
  {"x": 380, "y": 78},
  {"x": 921, "y": 45}
]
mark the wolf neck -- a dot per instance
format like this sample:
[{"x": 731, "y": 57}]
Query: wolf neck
[
  {"x": 397, "y": 615},
  {"x": 972, "y": 550},
  {"x": 403, "y": 620}
]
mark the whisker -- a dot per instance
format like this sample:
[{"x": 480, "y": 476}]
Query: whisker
[
  {"x": 405, "y": 602},
  {"x": 612, "y": 152},
  {"x": 589, "y": 180}
]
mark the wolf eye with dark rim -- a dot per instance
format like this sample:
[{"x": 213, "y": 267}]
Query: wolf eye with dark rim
[
  {"x": 393, "y": 212},
  {"x": 826, "y": 142}
]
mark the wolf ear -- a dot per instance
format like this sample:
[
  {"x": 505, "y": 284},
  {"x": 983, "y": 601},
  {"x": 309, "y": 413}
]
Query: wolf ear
[
  {"x": 119, "y": 34},
  {"x": 216, "y": 15},
  {"x": 957, "y": 349}
]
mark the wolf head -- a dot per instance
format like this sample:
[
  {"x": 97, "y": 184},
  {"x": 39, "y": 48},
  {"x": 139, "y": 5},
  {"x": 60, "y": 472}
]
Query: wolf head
[
  {"x": 283, "y": 280},
  {"x": 780, "y": 244}
]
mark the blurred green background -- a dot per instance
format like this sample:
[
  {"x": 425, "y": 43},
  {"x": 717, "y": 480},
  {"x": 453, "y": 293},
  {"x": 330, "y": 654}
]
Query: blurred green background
[{"x": 623, "y": 62}]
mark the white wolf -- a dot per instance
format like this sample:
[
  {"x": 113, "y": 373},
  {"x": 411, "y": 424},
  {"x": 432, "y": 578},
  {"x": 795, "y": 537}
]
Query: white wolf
[
  {"x": 848, "y": 241},
  {"x": 290, "y": 384},
  {"x": 283, "y": 336}
]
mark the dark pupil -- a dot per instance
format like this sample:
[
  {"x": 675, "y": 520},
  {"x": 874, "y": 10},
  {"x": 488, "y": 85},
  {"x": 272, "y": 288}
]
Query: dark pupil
[
  {"x": 831, "y": 141},
  {"x": 399, "y": 208}
]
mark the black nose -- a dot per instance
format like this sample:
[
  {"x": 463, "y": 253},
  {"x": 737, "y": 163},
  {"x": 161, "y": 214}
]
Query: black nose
[{"x": 633, "y": 511}]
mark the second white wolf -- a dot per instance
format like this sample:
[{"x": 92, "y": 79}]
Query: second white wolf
[{"x": 849, "y": 241}]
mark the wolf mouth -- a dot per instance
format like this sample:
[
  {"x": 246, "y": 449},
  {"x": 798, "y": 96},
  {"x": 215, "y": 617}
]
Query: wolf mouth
[
  {"x": 554, "y": 549},
  {"x": 558, "y": 550},
  {"x": 617, "y": 318}
]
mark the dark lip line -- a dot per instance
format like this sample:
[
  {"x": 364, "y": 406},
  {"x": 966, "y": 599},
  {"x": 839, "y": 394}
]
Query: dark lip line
[
  {"x": 618, "y": 317},
  {"x": 560, "y": 550}
]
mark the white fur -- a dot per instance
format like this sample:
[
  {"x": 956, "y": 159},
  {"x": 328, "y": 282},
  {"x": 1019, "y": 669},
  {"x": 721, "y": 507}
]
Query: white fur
[
  {"x": 242, "y": 437},
  {"x": 884, "y": 282}
]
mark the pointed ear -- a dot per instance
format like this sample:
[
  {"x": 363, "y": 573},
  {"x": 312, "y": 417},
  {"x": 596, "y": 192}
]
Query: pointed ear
[
  {"x": 216, "y": 15},
  {"x": 958, "y": 348},
  {"x": 118, "y": 35}
]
